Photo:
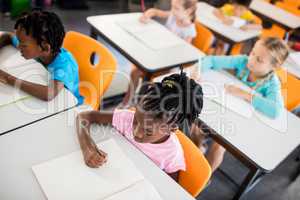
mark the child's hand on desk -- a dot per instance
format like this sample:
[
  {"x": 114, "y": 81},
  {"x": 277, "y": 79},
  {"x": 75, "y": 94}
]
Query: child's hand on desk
[
  {"x": 227, "y": 21},
  {"x": 146, "y": 16},
  {"x": 3, "y": 76},
  {"x": 94, "y": 157},
  {"x": 238, "y": 92}
]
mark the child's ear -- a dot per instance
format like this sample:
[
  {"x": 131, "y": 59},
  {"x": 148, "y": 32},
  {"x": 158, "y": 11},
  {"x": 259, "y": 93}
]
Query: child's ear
[
  {"x": 45, "y": 47},
  {"x": 173, "y": 128}
]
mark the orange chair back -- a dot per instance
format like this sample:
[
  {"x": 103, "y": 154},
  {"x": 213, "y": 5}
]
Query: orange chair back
[
  {"x": 290, "y": 7},
  {"x": 198, "y": 171},
  {"x": 204, "y": 38},
  {"x": 94, "y": 78},
  {"x": 290, "y": 86},
  {"x": 293, "y": 3}
]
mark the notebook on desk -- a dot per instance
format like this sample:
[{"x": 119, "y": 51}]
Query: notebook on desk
[
  {"x": 152, "y": 34},
  {"x": 35, "y": 73},
  {"x": 68, "y": 177},
  {"x": 11, "y": 57},
  {"x": 213, "y": 88}
]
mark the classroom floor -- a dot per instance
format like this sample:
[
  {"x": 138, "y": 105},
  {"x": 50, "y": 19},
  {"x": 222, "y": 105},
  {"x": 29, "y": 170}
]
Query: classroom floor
[{"x": 275, "y": 186}]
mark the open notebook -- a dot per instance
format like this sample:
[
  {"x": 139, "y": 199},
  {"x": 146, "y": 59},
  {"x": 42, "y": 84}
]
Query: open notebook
[
  {"x": 296, "y": 58},
  {"x": 11, "y": 57},
  {"x": 68, "y": 177},
  {"x": 213, "y": 88},
  {"x": 152, "y": 34},
  {"x": 35, "y": 73}
]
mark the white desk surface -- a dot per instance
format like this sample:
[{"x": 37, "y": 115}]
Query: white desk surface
[
  {"x": 55, "y": 137},
  {"x": 292, "y": 67},
  {"x": 265, "y": 146},
  {"x": 9, "y": 54},
  {"x": 206, "y": 17},
  {"x": 20, "y": 113},
  {"x": 138, "y": 53},
  {"x": 275, "y": 13}
]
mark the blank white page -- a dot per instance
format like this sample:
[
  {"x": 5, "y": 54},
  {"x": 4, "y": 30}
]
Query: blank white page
[
  {"x": 213, "y": 88},
  {"x": 35, "y": 73},
  {"x": 296, "y": 58},
  {"x": 142, "y": 190},
  {"x": 68, "y": 177},
  {"x": 10, "y": 57},
  {"x": 152, "y": 34}
]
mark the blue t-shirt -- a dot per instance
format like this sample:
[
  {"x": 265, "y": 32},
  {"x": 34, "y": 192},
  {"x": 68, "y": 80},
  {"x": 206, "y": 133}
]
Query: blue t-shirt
[
  {"x": 268, "y": 98},
  {"x": 64, "y": 69}
]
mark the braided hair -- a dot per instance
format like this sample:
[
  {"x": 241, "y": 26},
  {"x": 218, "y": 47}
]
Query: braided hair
[
  {"x": 43, "y": 26},
  {"x": 175, "y": 99}
]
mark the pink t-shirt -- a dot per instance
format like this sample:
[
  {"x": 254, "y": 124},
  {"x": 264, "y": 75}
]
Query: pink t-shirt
[{"x": 168, "y": 155}]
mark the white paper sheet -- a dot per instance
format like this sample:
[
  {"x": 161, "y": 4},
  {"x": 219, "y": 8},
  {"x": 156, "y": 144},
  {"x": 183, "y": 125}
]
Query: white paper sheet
[
  {"x": 35, "y": 73},
  {"x": 152, "y": 34},
  {"x": 296, "y": 58},
  {"x": 68, "y": 177},
  {"x": 142, "y": 190},
  {"x": 213, "y": 88},
  {"x": 11, "y": 57}
]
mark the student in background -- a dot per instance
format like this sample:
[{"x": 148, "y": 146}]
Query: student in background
[
  {"x": 150, "y": 125},
  {"x": 39, "y": 36},
  {"x": 180, "y": 20},
  {"x": 256, "y": 71},
  {"x": 238, "y": 15}
]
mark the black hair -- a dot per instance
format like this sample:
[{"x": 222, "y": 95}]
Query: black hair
[
  {"x": 242, "y": 2},
  {"x": 177, "y": 98},
  {"x": 43, "y": 26}
]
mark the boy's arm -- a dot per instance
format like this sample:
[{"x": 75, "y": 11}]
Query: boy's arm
[
  {"x": 92, "y": 155},
  {"x": 46, "y": 93},
  {"x": 5, "y": 39}
]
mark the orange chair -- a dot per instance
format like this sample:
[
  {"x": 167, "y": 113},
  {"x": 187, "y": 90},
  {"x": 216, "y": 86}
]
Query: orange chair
[
  {"x": 198, "y": 170},
  {"x": 292, "y": 8},
  {"x": 290, "y": 86},
  {"x": 294, "y": 3},
  {"x": 94, "y": 78},
  {"x": 203, "y": 39},
  {"x": 236, "y": 49},
  {"x": 274, "y": 31}
]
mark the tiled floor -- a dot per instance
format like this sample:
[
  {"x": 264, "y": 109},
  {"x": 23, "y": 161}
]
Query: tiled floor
[{"x": 275, "y": 186}]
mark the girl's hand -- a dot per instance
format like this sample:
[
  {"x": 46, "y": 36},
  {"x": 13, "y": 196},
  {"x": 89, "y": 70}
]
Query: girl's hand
[
  {"x": 94, "y": 157},
  {"x": 245, "y": 28},
  {"x": 227, "y": 21},
  {"x": 238, "y": 92},
  {"x": 3, "y": 76},
  {"x": 146, "y": 16}
]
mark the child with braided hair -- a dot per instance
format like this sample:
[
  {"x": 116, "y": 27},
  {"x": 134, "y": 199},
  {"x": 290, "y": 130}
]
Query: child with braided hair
[
  {"x": 151, "y": 124},
  {"x": 39, "y": 36}
]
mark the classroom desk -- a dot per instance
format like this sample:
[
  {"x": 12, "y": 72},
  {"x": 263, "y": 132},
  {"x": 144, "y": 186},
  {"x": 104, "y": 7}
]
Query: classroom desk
[
  {"x": 18, "y": 113},
  {"x": 149, "y": 60},
  {"x": 292, "y": 67},
  {"x": 55, "y": 137},
  {"x": 256, "y": 144},
  {"x": 222, "y": 31},
  {"x": 272, "y": 13},
  {"x": 253, "y": 142},
  {"x": 11, "y": 57}
]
